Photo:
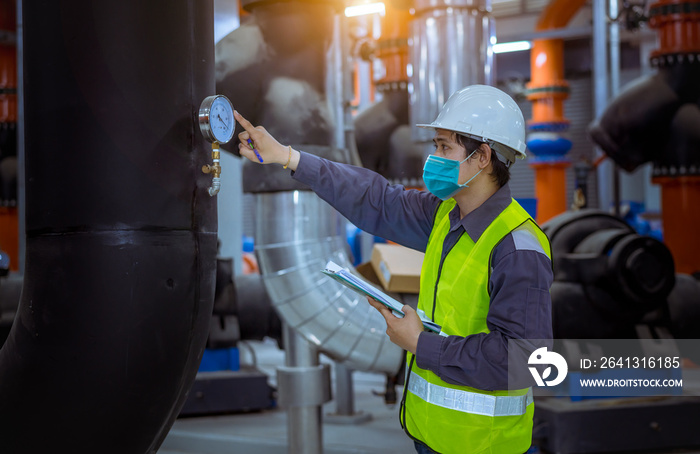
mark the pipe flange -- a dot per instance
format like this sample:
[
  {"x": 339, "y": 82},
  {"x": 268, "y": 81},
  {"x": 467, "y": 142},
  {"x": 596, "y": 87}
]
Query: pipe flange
[
  {"x": 669, "y": 60},
  {"x": 676, "y": 171},
  {"x": 671, "y": 11},
  {"x": 558, "y": 89},
  {"x": 549, "y": 126}
]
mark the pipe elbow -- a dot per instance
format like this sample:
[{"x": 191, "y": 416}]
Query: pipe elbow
[
  {"x": 634, "y": 128},
  {"x": 558, "y": 13},
  {"x": 215, "y": 187}
]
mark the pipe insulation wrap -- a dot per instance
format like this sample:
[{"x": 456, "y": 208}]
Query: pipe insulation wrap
[
  {"x": 121, "y": 233},
  {"x": 297, "y": 234}
]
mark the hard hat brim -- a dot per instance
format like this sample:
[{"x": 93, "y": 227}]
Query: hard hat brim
[{"x": 507, "y": 152}]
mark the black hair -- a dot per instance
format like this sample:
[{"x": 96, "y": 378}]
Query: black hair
[{"x": 500, "y": 172}]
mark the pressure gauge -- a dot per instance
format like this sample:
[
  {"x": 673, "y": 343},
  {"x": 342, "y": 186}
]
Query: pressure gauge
[{"x": 216, "y": 119}]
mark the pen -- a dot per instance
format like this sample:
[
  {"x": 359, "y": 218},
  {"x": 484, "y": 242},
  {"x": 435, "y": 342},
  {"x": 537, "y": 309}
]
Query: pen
[{"x": 250, "y": 144}]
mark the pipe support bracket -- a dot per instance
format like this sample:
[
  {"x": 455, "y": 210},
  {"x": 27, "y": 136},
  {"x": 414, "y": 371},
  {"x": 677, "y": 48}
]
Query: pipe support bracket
[{"x": 304, "y": 386}]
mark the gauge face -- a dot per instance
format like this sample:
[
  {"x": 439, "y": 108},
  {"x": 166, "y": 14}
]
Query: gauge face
[{"x": 216, "y": 119}]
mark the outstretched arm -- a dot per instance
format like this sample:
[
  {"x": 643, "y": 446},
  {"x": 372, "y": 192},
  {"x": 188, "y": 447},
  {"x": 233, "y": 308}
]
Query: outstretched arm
[{"x": 364, "y": 197}]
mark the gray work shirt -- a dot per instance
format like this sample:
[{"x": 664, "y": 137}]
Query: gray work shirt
[{"x": 520, "y": 305}]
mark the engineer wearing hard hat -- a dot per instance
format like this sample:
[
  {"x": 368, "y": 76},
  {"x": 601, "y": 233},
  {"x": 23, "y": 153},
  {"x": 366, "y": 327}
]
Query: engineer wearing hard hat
[{"x": 485, "y": 277}]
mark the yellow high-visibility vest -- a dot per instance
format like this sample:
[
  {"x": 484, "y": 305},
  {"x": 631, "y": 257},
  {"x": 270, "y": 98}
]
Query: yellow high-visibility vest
[{"x": 460, "y": 419}]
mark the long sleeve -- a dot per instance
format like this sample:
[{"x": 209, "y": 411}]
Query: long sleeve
[
  {"x": 520, "y": 308},
  {"x": 369, "y": 201}
]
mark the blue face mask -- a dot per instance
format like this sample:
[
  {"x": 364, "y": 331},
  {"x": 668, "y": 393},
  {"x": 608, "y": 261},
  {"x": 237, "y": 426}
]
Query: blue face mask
[{"x": 441, "y": 176}]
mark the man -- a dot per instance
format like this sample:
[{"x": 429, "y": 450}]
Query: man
[{"x": 485, "y": 277}]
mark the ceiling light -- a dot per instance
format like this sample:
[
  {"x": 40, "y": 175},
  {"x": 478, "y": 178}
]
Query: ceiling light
[{"x": 515, "y": 46}]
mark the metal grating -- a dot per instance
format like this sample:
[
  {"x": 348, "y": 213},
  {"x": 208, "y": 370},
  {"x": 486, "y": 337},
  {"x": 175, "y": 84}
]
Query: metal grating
[{"x": 578, "y": 109}]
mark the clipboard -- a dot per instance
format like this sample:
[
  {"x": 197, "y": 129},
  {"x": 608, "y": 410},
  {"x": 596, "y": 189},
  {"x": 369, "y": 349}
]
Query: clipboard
[{"x": 364, "y": 288}]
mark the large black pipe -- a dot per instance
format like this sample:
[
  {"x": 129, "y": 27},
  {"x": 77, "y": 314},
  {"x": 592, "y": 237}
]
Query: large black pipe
[
  {"x": 384, "y": 139},
  {"x": 120, "y": 231},
  {"x": 655, "y": 119}
]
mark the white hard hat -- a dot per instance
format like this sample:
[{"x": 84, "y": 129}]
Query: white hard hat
[{"x": 488, "y": 115}]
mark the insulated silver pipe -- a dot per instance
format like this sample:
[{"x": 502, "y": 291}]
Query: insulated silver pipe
[
  {"x": 450, "y": 49},
  {"x": 297, "y": 233}
]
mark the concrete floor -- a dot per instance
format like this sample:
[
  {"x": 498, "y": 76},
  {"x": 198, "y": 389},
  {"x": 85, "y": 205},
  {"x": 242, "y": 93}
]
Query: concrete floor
[{"x": 265, "y": 432}]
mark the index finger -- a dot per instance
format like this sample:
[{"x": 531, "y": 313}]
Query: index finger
[{"x": 243, "y": 122}]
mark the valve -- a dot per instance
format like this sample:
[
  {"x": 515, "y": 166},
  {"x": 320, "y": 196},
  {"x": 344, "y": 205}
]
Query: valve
[{"x": 214, "y": 169}]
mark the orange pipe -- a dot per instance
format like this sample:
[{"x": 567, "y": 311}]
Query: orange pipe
[
  {"x": 392, "y": 46},
  {"x": 681, "y": 216},
  {"x": 550, "y": 188},
  {"x": 547, "y": 91}
]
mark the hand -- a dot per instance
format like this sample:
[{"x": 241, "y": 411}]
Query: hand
[
  {"x": 270, "y": 150},
  {"x": 404, "y": 331}
]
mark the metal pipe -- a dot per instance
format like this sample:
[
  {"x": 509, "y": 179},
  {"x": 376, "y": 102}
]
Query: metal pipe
[
  {"x": 604, "y": 171},
  {"x": 451, "y": 48},
  {"x": 614, "y": 47},
  {"x": 348, "y": 92},
  {"x": 119, "y": 276},
  {"x": 336, "y": 93},
  {"x": 345, "y": 395},
  {"x": 304, "y": 386},
  {"x": 297, "y": 234}
]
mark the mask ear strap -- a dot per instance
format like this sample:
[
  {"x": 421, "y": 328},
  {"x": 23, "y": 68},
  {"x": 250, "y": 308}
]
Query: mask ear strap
[{"x": 470, "y": 155}]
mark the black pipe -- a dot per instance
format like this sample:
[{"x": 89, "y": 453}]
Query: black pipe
[
  {"x": 120, "y": 231},
  {"x": 655, "y": 119},
  {"x": 384, "y": 138}
]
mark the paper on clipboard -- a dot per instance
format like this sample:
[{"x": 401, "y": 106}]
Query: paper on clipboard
[{"x": 350, "y": 280}]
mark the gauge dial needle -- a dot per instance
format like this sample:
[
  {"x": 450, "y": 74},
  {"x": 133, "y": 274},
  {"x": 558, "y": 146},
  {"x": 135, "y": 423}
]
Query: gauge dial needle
[{"x": 222, "y": 121}]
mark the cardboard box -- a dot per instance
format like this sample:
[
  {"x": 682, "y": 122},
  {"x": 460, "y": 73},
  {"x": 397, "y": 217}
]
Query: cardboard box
[
  {"x": 365, "y": 269},
  {"x": 397, "y": 267}
]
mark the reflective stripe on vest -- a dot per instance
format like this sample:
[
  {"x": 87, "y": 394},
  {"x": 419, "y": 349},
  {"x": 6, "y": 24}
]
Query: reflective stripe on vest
[{"x": 469, "y": 402}]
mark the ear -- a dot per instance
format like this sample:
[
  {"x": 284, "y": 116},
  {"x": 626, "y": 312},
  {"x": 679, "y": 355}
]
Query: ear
[{"x": 484, "y": 155}]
